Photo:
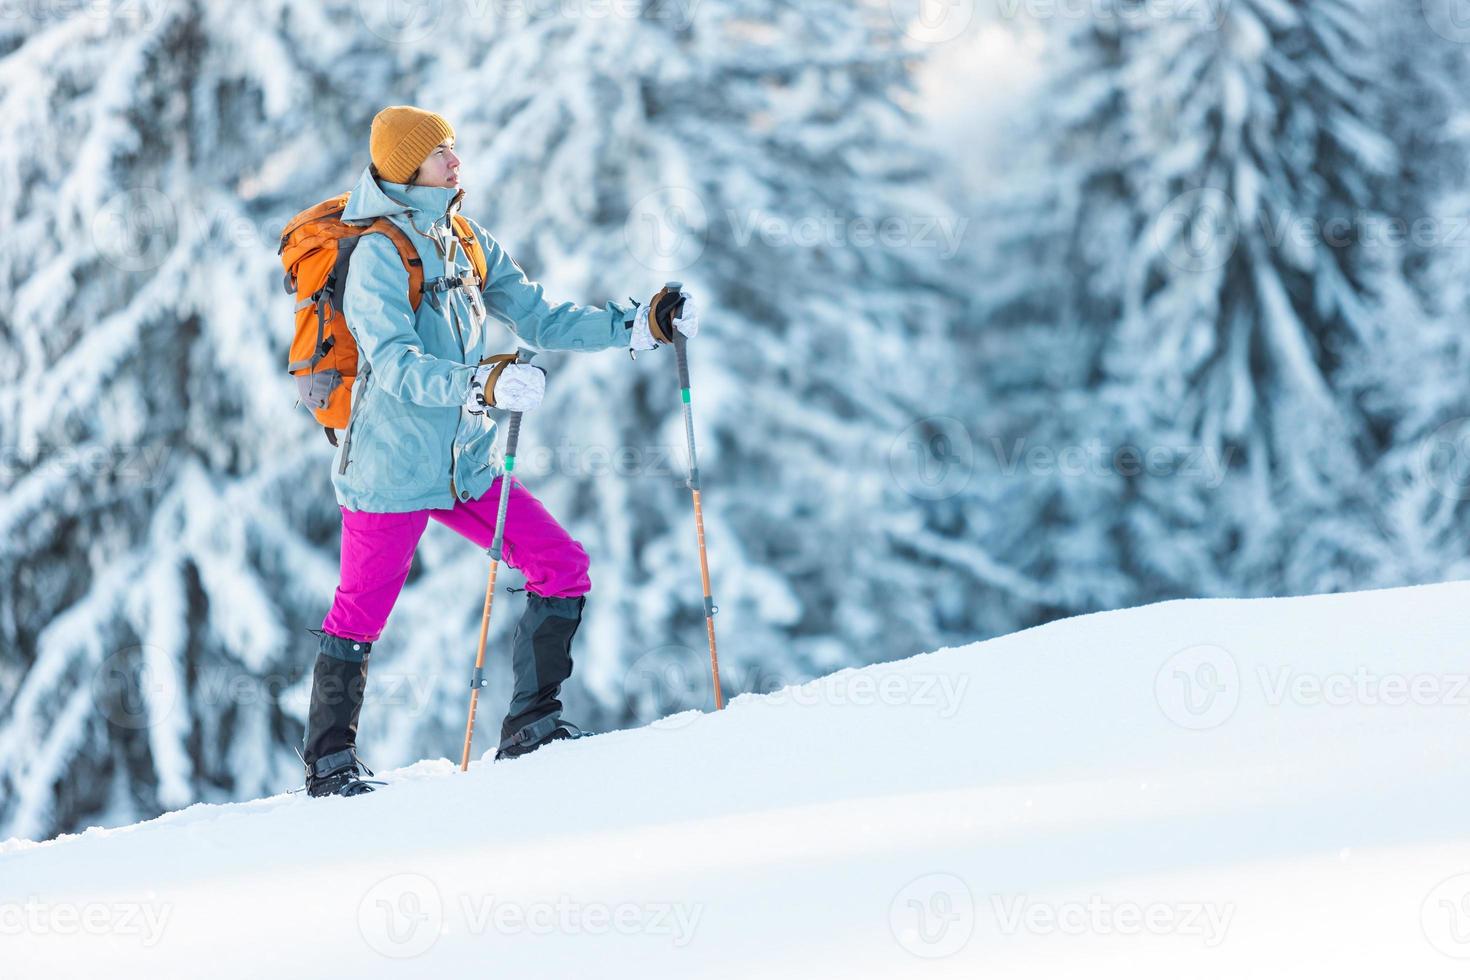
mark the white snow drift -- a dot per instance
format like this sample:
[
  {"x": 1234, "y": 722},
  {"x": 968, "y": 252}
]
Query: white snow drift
[{"x": 1204, "y": 789}]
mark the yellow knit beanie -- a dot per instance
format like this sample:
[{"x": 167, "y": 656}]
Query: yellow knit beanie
[{"x": 402, "y": 138}]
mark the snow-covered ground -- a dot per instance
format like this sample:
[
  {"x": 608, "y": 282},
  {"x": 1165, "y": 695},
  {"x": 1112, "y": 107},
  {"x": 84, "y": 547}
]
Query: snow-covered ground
[{"x": 1273, "y": 788}]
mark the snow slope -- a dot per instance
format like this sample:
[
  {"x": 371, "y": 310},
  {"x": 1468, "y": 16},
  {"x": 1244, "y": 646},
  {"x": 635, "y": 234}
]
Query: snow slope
[{"x": 1203, "y": 789}]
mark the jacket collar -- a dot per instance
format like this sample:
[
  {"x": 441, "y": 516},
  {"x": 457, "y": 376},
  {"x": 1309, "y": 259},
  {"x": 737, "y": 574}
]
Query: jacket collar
[{"x": 372, "y": 198}]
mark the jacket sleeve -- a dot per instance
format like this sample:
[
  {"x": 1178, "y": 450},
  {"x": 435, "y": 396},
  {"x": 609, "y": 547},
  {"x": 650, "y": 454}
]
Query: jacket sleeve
[
  {"x": 375, "y": 303},
  {"x": 522, "y": 306}
]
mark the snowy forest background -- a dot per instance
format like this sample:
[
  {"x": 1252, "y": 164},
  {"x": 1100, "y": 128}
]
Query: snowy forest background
[{"x": 1013, "y": 310}]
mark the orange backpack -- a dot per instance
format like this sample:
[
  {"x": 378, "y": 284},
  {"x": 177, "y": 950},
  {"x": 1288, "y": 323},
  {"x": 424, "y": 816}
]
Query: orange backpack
[{"x": 316, "y": 247}]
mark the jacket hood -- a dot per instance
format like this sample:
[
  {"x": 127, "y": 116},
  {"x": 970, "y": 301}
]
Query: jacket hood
[{"x": 373, "y": 198}]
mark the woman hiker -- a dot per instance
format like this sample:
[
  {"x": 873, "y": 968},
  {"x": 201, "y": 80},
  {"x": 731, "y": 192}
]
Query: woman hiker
[{"x": 419, "y": 444}]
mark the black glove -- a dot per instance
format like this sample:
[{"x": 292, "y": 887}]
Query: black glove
[{"x": 663, "y": 309}]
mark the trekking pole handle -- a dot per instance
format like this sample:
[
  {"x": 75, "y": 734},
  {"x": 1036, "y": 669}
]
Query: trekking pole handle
[
  {"x": 680, "y": 353},
  {"x": 513, "y": 425}
]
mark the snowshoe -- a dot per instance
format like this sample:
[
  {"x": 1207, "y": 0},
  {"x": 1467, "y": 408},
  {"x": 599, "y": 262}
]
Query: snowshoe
[
  {"x": 517, "y": 749},
  {"x": 339, "y": 774}
]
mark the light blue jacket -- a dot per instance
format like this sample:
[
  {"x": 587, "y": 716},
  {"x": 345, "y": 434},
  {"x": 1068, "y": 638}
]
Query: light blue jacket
[{"x": 410, "y": 444}]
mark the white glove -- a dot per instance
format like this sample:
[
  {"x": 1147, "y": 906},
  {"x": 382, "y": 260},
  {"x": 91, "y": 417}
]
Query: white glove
[
  {"x": 687, "y": 323},
  {"x": 642, "y": 336},
  {"x": 519, "y": 388}
]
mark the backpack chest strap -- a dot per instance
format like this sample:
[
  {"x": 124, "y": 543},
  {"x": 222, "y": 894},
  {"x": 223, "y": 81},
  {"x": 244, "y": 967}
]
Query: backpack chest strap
[{"x": 443, "y": 284}]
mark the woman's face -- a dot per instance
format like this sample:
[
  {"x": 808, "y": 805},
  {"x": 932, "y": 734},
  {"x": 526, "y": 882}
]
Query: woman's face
[{"x": 440, "y": 168}]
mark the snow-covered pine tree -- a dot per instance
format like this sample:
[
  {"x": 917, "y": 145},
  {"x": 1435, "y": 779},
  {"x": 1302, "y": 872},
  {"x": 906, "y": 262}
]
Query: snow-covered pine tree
[
  {"x": 165, "y": 535},
  {"x": 1049, "y": 297},
  {"x": 1414, "y": 382},
  {"x": 1228, "y": 285}
]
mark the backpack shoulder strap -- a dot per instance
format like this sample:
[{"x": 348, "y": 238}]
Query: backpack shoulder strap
[
  {"x": 322, "y": 223},
  {"x": 472, "y": 246},
  {"x": 407, "y": 253}
]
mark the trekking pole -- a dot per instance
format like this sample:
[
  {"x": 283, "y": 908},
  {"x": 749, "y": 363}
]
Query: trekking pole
[
  {"x": 682, "y": 356},
  {"x": 477, "y": 680}
]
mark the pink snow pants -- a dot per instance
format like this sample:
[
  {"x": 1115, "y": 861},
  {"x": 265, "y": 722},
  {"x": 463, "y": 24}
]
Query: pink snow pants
[{"x": 377, "y": 550}]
